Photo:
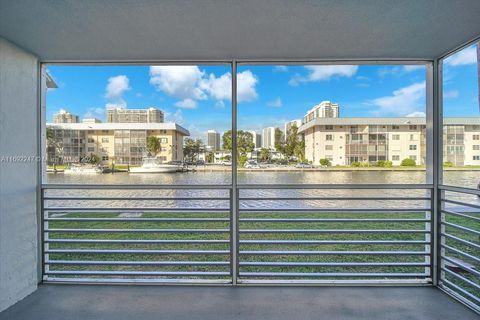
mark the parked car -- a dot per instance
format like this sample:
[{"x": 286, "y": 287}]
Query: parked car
[
  {"x": 226, "y": 163},
  {"x": 303, "y": 165},
  {"x": 200, "y": 163}
]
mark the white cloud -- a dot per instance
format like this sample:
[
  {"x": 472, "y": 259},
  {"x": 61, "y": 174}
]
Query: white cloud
[
  {"x": 218, "y": 88},
  {"x": 464, "y": 57},
  {"x": 191, "y": 84},
  {"x": 416, "y": 114},
  {"x": 277, "y": 103},
  {"x": 451, "y": 94},
  {"x": 116, "y": 86},
  {"x": 176, "y": 117},
  {"x": 178, "y": 81},
  {"x": 280, "y": 69},
  {"x": 187, "y": 104},
  {"x": 119, "y": 104},
  {"x": 413, "y": 67},
  {"x": 246, "y": 82},
  {"x": 321, "y": 73},
  {"x": 403, "y": 101}
]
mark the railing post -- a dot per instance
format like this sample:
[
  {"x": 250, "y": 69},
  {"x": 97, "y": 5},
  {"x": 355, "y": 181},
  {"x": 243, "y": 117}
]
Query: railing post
[{"x": 234, "y": 190}]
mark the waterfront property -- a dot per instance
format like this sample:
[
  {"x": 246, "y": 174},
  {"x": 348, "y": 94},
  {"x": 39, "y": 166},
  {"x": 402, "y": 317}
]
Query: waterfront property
[
  {"x": 121, "y": 143},
  {"x": 344, "y": 141}
]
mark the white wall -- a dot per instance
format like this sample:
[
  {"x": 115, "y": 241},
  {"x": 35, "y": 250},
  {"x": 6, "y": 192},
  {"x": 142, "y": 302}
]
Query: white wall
[{"x": 18, "y": 180}]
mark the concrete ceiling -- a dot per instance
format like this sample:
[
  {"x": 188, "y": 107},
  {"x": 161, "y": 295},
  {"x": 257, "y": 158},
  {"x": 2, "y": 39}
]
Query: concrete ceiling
[{"x": 73, "y": 30}]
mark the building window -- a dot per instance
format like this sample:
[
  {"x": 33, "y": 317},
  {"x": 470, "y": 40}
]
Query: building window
[
  {"x": 476, "y": 137},
  {"x": 396, "y": 158},
  {"x": 413, "y": 127},
  {"x": 396, "y": 137},
  {"x": 328, "y": 127},
  {"x": 328, "y": 147},
  {"x": 476, "y": 147},
  {"x": 395, "y": 127},
  {"x": 105, "y": 140},
  {"x": 329, "y": 137},
  {"x": 104, "y": 158},
  {"x": 104, "y": 131},
  {"x": 476, "y": 157},
  {"x": 91, "y": 140},
  {"x": 90, "y": 149},
  {"x": 412, "y": 137},
  {"x": 163, "y": 140},
  {"x": 412, "y": 147},
  {"x": 163, "y": 131},
  {"x": 413, "y": 158}
]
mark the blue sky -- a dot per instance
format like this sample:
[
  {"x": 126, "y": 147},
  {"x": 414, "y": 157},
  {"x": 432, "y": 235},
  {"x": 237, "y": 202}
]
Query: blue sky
[{"x": 198, "y": 97}]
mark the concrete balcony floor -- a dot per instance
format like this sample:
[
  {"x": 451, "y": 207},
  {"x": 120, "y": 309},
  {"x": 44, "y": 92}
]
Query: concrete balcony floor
[{"x": 181, "y": 302}]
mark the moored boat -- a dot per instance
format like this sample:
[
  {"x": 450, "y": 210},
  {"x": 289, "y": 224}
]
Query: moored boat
[{"x": 152, "y": 165}]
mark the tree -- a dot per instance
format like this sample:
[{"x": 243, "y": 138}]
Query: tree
[
  {"x": 279, "y": 143},
  {"x": 244, "y": 142},
  {"x": 191, "y": 148},
  {"x": 264, "y": 154},
  {"x": 294, "y": 143},
  {"x": 54, "y": 147},
  {"x": 153, "y": 145}
]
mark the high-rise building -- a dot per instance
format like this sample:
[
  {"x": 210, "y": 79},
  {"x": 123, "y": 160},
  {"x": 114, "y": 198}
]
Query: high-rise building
[
  {"x": 121, "y": 115},
  {"x": 288, "y": 125},
  {"x": 64, "y": 116},
  {"x": 257, "y": 139},
  {"x": 325, "y": 109},
  {"x": 213, "y": 140},
  {"x": 268, "y": 138}
]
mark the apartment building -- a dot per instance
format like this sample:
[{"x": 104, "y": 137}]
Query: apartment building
[
  {"x": 268, "y": 138},
  {"x": 121, "y": 143},
  {"x": 257, "y": 139},
  {"x": 64, "y": 116},
  {"x": 122, "y": 115},
  {"x": 347, "y": 140},
  {"x": 213, "y": 140},
  {"x": 325, "y": 109}
]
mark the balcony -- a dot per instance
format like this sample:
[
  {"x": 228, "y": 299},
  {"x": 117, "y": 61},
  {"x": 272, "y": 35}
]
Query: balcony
[{"x": 232, "y": 248}]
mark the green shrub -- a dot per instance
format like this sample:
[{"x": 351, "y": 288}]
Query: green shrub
[
  {"x": 325, "y": 162},
  {"x": 384, "y": 164},
  {"x": 448, "y": 164},
  {"x": 355, "y": 164},
  {"x": 407, "y": 162}
]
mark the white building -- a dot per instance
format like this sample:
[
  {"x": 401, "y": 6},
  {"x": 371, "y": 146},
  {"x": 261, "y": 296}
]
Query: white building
[
  {"x": 91, "y": 120},
  {"x": 213, "y": 140},
  {"x": 121, "y": 115},
  {"x": 268, "y": 138},
  {"x": 325, "y": 109},
  {"x": 64, "y": 116},
  {"x": 257, "y": 139}
]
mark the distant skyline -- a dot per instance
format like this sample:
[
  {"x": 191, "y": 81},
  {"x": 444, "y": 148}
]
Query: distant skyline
[{"x": 198, "y": 97}]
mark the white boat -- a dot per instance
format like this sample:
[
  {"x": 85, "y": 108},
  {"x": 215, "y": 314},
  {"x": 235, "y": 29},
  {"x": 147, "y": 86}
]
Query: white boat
[
  {"x": 82, "y": 169},
  {"x": 151, "y": 165}
]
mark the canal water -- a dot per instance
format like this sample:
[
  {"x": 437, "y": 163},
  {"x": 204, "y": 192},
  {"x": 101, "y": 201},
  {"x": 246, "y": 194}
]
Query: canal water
[{"x": 458, "y": 178}]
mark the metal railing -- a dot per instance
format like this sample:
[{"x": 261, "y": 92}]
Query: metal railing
[
  {"x": 459, "y": 244},
  {"x": 137, "y": 233},
  {"x": 287, "y": 234}
]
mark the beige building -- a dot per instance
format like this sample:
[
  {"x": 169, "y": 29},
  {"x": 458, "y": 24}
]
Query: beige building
[
  {"x": 347, "y": 140},
  {"x": 122, "y": 143},
  {"x": 65, "y": 117},
  {"x": 121, "y": 115}
]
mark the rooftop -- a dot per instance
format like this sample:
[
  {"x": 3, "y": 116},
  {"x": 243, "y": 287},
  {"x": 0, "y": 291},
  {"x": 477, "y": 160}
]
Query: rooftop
[
  {"x": 121, "y": 126},
  {"x": 385, "y": 121}
]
